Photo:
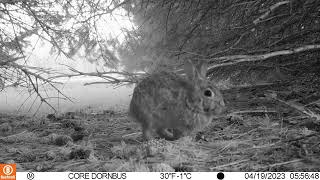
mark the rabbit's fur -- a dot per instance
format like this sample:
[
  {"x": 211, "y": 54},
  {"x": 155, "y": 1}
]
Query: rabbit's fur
[{"x": 166, "y": 100}]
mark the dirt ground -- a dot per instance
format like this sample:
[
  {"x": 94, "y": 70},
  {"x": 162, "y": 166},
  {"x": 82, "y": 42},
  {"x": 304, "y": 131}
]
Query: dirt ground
[{"x": 260, "y": 132}]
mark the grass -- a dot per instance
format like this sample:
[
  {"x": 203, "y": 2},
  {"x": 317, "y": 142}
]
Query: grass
[{"x": 110, "y": 142}]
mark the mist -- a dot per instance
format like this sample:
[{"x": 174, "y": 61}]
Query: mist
[{"x": 91, "y": 98}]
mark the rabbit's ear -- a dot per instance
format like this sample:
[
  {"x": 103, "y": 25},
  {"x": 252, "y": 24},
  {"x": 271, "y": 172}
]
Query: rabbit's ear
[
  {"x": 189, "y": 69},
  {"x": 196, "y": 70},
  {"x": 202, "y": 68}
]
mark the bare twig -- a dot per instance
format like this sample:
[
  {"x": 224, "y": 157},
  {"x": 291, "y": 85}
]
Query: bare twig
[
  {"x": 270, "y": 10},
  {"x": 235, "y": 59},
  {"x": 298, "y": 107},
  {"x": 45, "y": 29},
  {"x": 110, "y": 77},
  {"x": 253, "y": 111},
  {"x": 282, "y": 163},
  {"x": 229, "y": 164}
]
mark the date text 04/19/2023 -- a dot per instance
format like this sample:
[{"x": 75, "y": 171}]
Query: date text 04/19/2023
[{"x": 282, "y": 175}]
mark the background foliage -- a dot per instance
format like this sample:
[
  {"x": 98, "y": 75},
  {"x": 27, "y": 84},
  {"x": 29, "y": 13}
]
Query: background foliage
[{"x": 243, "y": 40}]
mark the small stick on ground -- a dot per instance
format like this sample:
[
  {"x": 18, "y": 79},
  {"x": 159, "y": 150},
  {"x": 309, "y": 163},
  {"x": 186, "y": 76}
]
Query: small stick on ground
[{"x": 230, "y": 164}]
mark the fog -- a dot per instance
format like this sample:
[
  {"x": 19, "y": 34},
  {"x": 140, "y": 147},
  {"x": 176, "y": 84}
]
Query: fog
[
  {"x": 92, "y": 98},
  {"x": 89, "y": 98}
]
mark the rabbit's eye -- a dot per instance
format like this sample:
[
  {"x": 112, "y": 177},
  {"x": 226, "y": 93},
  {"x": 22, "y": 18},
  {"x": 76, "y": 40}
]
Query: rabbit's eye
[{"x": 208, "y": 93}]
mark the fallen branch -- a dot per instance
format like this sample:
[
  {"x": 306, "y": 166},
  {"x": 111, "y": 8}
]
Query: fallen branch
[
  {"x": 235, "y": 59},
  {"x": 282, "y": 163},
  {"x": 252, "y": 111},
  {"x": 270, "y": 10},
  {"x": 230, "y": 164},
  {"x": 296, "y": 106}
]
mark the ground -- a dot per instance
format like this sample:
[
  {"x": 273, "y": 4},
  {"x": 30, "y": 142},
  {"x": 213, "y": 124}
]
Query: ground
[{"x": 259, "y": 133}]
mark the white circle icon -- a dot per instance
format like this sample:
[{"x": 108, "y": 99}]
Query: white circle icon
[{"x": 7, "y": 170}]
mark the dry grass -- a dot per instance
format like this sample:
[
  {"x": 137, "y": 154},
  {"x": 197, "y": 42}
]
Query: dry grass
[{"x": 110, "y": 142}]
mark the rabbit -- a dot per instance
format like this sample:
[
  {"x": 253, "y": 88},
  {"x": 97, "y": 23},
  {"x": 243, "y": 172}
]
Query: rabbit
[{"x": 165, "y": 101}]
